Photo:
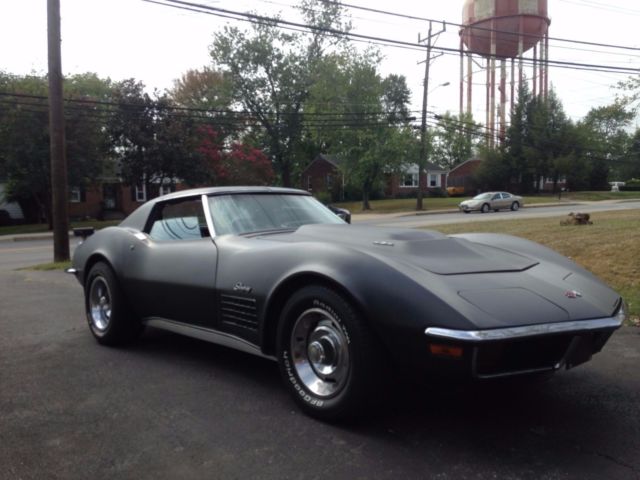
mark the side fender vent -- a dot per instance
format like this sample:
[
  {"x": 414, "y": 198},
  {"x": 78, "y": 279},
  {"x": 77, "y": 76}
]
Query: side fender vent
[{"x": 239, "y": 311}]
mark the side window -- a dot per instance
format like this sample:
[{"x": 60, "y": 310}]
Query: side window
[{"x": 179, "y": 220}]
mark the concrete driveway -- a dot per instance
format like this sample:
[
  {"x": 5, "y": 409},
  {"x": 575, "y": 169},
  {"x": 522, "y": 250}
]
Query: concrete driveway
[{"x": 172, "y": 407}]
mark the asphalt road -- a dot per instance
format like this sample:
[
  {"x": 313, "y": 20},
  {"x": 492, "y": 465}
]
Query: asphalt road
[
  {"x": 172, "y": 407},
  {"x": 423, "y": 220},
  {"x": 15, "y": 255}
]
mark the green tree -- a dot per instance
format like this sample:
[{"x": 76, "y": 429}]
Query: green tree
[
  {"x": 632, "y": 163},
  {"x": 271, "y": 73},
  {"x": 608, "y": 141},
  {"x": 153, "y": 142},
  {"x": 540, "y": 142},
  {"x": 24, "y": 136},
  {"x": 368, "y": 128},
  {"x": 206, "y": 93},
  {"x": 455, "y": 138}
]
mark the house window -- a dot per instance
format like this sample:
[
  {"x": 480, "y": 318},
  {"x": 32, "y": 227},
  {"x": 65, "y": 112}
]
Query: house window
[
  {"x": 75, "y": 195},
  {"x": 434, "y": 180},
  {"x": 165, "y": 189},
  {"x": 141, "y": 193},
  {"x": 309, "y": 186},
  {"x": 409, "y": 180},
  {"x": 329, "y": 182}
]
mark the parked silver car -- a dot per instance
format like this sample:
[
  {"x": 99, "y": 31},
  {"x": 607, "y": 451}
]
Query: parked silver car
[{"x": 492, "y": 201}]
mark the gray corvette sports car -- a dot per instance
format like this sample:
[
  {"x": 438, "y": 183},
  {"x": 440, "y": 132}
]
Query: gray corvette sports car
[{"x": 273, "y": 272}]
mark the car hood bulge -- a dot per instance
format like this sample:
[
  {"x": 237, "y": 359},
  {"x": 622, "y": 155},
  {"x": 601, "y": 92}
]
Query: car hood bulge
[{"x": 425, "y": 249}]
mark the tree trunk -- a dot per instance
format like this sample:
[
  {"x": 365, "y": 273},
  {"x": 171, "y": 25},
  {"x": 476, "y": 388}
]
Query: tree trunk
[
  {"x": 365, "y": 199},
  {"x": 286, "y": 176}
]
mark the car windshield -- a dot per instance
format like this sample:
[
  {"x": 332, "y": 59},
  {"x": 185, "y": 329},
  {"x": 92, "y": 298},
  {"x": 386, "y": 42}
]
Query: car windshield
[
  {"x": 248, "y": 213},
  {"x": 482, "y": 196}
]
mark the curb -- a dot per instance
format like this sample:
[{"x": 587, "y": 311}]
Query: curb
[{"x": 27, "y": 238}]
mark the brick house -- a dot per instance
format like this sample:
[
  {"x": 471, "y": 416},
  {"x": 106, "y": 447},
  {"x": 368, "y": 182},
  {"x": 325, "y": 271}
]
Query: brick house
[
  {"x": 323, "y": 175},
  {"x": 461, "y": 175},
  {"x": 111, "y": 199},
  {"x": 406, "y": 183}
]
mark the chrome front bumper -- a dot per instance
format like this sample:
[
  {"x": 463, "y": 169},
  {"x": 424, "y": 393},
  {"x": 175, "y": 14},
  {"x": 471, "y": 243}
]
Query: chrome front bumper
[
  {"x": 512, "y": 351},
  {"x": 527, "y": 331}
]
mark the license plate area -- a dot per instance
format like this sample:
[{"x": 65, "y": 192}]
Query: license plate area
[{"x": 529, "y": 355}]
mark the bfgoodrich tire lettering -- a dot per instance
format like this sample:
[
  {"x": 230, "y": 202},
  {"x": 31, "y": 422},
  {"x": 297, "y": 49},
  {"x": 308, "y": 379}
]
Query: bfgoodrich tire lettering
[
  {"x": 110, "y": 319},
  {"x": 327, "y": 355}
]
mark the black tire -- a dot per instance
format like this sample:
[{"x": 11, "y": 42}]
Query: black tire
[
  {"x": 467, "y": 211},
  {"x": 485, "y": 208},
  {"x": 515, "y": 206},
  {"x": 110, "y": 319},
  {"x": 322, "y": 338}
]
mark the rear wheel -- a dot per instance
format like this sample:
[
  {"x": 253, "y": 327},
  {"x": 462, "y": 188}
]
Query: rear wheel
[
  {"x": 515, "y": 206},
  {"x": 110, "y": 319},
  {"x": 328, "y": 356},
  {"x": 485, "y": 208}
]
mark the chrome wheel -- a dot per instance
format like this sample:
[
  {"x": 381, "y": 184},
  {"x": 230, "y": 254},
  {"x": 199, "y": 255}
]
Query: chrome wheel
[
  {"x": 100, "y": 304},
  {"x": 320, "y": 352}
]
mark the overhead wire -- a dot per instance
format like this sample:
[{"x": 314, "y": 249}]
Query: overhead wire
[{"x": 287, "y": 24}]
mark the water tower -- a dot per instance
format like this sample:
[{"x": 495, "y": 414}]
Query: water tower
[{"x": 499, "y": 31}]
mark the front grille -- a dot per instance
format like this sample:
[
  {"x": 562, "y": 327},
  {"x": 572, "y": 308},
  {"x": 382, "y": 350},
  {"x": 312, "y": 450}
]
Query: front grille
[
  {"x": 518, "y": 356},
  {"x": 239, "y": 311}
]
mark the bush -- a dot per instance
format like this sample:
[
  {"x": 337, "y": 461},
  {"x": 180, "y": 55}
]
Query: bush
[
  {"x": 5, "y": 218},
  {"x": 632, "y": 185},
  {"x": 410, "y": 193},
  {"x": 437, "y": 192},
  {"x": 323, "y": 197}
]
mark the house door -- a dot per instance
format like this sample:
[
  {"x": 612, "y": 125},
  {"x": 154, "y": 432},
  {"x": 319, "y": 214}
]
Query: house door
[{"x": 110, "y": 196}]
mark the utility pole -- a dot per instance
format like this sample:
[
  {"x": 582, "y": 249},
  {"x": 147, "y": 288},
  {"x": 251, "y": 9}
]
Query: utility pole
[
  {"x": 59, "y": 199},
  {"x": 424, "y": 154}
]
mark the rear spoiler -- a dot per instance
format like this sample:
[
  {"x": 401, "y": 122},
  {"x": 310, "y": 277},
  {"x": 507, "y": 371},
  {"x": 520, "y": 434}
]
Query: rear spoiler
[{"x": 83, "y": 232}]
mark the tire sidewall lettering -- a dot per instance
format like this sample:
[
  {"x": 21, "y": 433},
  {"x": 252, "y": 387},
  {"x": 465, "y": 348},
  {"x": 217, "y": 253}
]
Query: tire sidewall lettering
[
  {"x": 304, "y": 395},
  {"x": 320, "y": 304}
]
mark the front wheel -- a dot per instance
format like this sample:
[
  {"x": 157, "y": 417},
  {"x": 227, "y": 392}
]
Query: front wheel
[
  {"x": 110, "y": 319},
  {"x": 515, "y": 206},
  {"x": 328, "y": 356},
  {"x": 485, "y": 208}
]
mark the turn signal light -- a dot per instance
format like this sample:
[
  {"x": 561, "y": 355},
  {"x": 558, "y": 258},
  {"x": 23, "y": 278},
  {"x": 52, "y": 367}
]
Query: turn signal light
[{"x": 448, "y": 351}]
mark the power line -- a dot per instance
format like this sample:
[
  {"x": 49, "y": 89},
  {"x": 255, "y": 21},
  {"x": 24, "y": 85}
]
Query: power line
[
  {"x": 160, "y": 108},
  {"x": 460, "y": 25},
  {"x": 286, "y": 24}
]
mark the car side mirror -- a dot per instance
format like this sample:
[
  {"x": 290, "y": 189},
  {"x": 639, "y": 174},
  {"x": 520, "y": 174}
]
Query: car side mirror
[{"x": 343, "y": 213}]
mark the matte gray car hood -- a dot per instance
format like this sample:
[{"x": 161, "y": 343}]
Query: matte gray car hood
[{"x": 429, "y": 250}]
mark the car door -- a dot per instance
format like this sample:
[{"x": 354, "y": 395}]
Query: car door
[
  {"x": 495, "y": 201},
  {"x": 171, "y": 266}
]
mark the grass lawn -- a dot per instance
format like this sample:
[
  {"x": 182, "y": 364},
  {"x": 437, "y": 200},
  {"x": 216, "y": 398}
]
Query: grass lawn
[
  {"x": 43, "y": 267},
  {"x": 434, "y": 203},
  {"x": 43, "y": 227},
  {"x": 610, "y": 248}
]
